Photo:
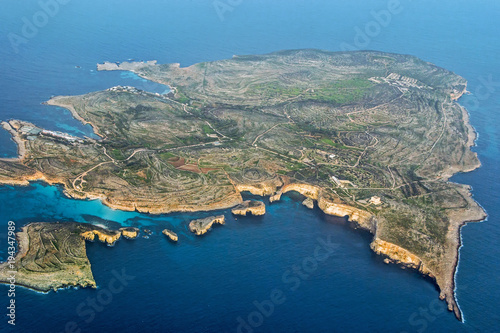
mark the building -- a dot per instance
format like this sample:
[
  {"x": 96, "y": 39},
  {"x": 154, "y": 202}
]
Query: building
[{"x": 376, "y": 201}]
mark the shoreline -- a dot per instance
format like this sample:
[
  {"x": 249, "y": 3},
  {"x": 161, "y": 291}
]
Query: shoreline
[
  {"x": 368, "y": 222},
  {"x": 473, "y": 135},
  {"x": 477, "y": 214},
  {"x": 54, "y": 101},
  {"x": 21, "y": 148}
]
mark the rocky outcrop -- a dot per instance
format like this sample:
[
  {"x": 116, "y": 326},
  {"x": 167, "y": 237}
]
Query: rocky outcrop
[
  {"x": 171, "y": 235},
  {"x": 129, "y": 232},
  {"x": 202, "y": 226},
  {"x": 253, "y": 207},
  {"x": 457, "y": 93},
  {"x": 105, "y": 237},
  {"x": 275, "y": 197},
  {"x": 309, "y": 203},
  {"x": 328, "y": 205},
  {"x": 309, "y": 191}
]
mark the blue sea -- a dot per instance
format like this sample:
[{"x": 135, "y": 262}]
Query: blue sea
[{"x": 243, "y": 276}]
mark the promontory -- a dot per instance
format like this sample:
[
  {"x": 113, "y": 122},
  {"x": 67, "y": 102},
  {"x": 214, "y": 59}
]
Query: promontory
[{"x": 53, "y": 255}]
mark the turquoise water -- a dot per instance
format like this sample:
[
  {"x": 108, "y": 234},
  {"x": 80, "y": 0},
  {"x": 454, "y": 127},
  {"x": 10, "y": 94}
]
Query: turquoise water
[{"x": 206, "y": 284}]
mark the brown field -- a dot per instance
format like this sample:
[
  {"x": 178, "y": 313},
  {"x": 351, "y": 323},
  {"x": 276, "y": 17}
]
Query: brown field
[
  {"x": 177, "y": 161},
  {"x": 190, "y": 167}
]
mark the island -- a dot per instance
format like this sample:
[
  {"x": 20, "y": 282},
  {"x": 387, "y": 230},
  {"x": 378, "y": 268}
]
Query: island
[
  {"x": 171, "y": 235},
  {"x": 52, "y": 256},
  {"x": 309, "y": 203},
  {"x": 129, "y": 232},
  {"x": 202, "y": 226},
  {"x": 368, "y": 135},
  {"x": 252, "y": 207}
]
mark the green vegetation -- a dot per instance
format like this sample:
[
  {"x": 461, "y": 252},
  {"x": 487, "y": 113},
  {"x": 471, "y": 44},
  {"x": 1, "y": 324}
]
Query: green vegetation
[
  {"x": 208, "y": 130},
  {"x": 181, "y": 97},
  {"x": 338, "y": 145},
  {"x": 166, "y": 155},
  {"x": 343, "y": 92},
  {"x": 275, "y": 89},
  {"x": 117, "y": 154}
]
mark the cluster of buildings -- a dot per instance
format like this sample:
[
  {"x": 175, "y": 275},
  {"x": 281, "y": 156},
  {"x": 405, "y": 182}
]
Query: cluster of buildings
[
  {"x": 133, "y": 90},
  {"x": 403, "y": 83},
  {"x": 62, "y": 136},
  {"x": 326, "y": 154},
  {"x": 124, "y": 89},
  {"x": 31, "y": 132},
  {"x": 342, "y": 183}
]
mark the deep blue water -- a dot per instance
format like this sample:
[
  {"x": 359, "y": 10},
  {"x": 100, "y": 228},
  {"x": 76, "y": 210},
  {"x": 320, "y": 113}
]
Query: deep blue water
[{"x": 205, "y": 284}]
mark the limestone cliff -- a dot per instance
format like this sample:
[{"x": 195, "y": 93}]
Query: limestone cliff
[
  {"x": 363, "y": 218},
  {"x": 174, "y": 204},
  {"x": 130, "y": 233},
  {"x": 105, "y": 237},
  {"x": 398, "y": 255},
  {"x": 264, "y": 188},
  {"x": 253, "y": 207}
]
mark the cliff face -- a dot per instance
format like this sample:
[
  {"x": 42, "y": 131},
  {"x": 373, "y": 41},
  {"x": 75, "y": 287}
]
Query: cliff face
[
  {"x": 444, "y": 276},
  {"x": 169, "y": 205},
  {"x": 130, "y": 233},
  {"x": 253, "y": 207},
  {"x": 262, "y": 189},
  {"x": 365, "y": 219},
  {"x": 315, "y": 193},
  {"x": 398, "y": 255},
  {"x": 104, "y": 237}
]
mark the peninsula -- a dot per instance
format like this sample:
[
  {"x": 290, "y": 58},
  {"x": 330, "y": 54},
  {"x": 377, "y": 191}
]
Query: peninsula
[
  {"x": 52, "y": 256},
  {"x": 368, "y": 135}
]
